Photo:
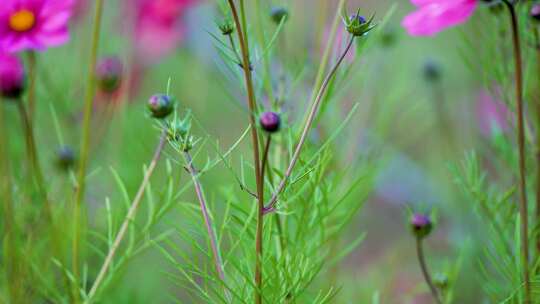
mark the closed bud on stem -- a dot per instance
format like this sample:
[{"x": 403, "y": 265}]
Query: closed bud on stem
[
  {"x": 109, "y": 72},
  {"x": 421, "y": 225},
  {"x": 226, "y": 27},
  {"x": 432, "y": 71},
  {"x": 12, "y": 76},
  {"x": 65, "y": 158},
  {"x": 357, "y": 25},
  {"x": 535, "y": 12},
  {"x": 161, "y": 105},
  {"x": 440, "y": 280},
  {"x": 279, "y": 13},
  {"x": 179, "y": 133},
  {"x": 270, "y": 122}
]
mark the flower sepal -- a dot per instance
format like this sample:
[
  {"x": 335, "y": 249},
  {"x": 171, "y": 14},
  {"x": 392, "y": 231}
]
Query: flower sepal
[{"x": 357, "y": 25}]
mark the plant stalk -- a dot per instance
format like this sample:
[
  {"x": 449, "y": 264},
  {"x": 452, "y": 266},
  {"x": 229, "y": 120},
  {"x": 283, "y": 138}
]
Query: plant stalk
[
  {"x": 425, "y": 271},
  {"x": 269, "y": 207},
  {"x": 218, "y": 263},
  {"x": 85, "y": 147},
  {"x": 32, "y": 72},
  {"x": 252, "y": 105},
  {"x": 523, "y": 209},
  {"x": 537, "y": 220},
  {"x": 130, "y": 217},
  {"x": 35, "y": 168}
]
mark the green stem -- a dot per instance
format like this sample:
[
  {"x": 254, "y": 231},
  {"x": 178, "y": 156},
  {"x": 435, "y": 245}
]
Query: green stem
[
  {"x": 218, "y": 263},
  {"x": 35, "y": 168},
  {"x": 537, "y": 109},
  {"x": 269, "y": 207},
  {"x": 32, "y": 73},
  {"x": 244, "y": 47},
  {"x": 85, "y": 147},
  {"x": 130, "y": 217},
  {"x": 523, "y": 210},
  {"x": 11, "y": 262},
  {"x": 425, "y": 271}
]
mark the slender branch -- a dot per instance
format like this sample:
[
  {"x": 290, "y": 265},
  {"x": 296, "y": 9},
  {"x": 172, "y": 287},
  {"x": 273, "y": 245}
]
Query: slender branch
[
  {"x": 218, "y": 263},
  {"x": 9, "y": 249},
  {"x": 425, "y": 271},
  {"x": 36, "y": 172},
  {"x": 264, "y": 166},
  {"x": 244, "y": 46},
  {"x": 265, "y": 154},
  {"x": 537, "y": 48},
  {"x": 269, "y": 207},
  {"x": 130, "y": 217},
  {"x": 32, "y": 72},
  {"x": 233, "y": 47},
  {"x": 85, "y": 147},
  {"x": 523, "y": 210}
]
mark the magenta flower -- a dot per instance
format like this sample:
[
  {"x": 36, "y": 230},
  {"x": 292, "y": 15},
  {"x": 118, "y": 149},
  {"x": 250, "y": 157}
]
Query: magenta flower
[
  {"x": 33, "y": 24},
  {"x": 159, "y": 26},
  {"x": 434, "y": 16},
  {"x": 12, "y": 76}
]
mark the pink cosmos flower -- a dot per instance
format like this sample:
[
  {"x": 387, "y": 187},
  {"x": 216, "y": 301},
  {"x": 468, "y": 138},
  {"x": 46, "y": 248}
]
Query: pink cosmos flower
[
  {"x": 12, "y": 76},
  {"x": 159, "y": 26},
  {"x": 33, "y": 24},
  {"x": 434, "y": 16}
]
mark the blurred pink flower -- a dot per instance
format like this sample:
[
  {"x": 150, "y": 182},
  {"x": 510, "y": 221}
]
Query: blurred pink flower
[
  {"x": 492, "y": 114},
  {"x": 34, "y": 24},
  {"x": 434, "y": 16},
  {"x": 159, "y": 26},
  {"x": 12, "y": 76}
]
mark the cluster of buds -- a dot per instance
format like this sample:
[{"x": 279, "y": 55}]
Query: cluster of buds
[
  {"x": 179, "y": 133},
  {"x": 357, "y": 25}
]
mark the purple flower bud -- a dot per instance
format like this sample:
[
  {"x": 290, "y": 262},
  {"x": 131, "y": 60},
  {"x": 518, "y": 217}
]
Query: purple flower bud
[
  {"x": 109, "y": 74},
  {"x": 421, "y": 225},
  {"x": 358, "y": 18},
  {"x": 279, "y": 13},
  {"x": 535, "y": 12},
  {"x": 270, "y": 122},
  {"x": 161, "y": 105},
  {"x": 65, "y": 157},
  {"x": 12, "y": 76}
]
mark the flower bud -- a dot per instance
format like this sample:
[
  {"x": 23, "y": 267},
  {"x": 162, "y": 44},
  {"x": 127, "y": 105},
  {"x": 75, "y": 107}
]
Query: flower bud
[
  {"x": 440, "y": 280},
  {"x": 109, "y": 74},
  {"x": 421, "y": 225},
  {"x": 65, "y": 158},
  {"x": 432, "y": 71},
  {"x": 270, "y": 122},
  {"x": 161, "y": 105},
  {"x": 358, "y": 26},
  {"x": 535, "y": 12},
  {"x": 12, "y": 76},
  {"x": 226, "y": 28},
  {"x": 279, "y": 13}
]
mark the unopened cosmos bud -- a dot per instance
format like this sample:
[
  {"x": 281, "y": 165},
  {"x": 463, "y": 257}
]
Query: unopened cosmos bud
[
  {"x": 109, "y": 74},
  {"x": 421, "y": 225},
  {"x": 270, "y": 122},
  {"x": 161, "y": 105}
]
